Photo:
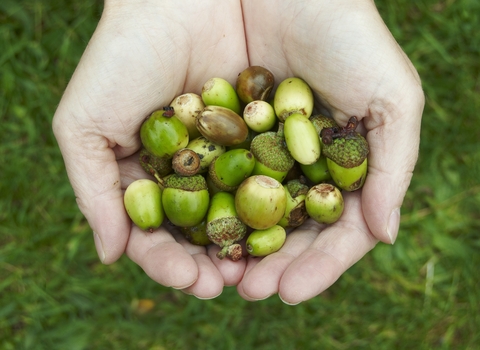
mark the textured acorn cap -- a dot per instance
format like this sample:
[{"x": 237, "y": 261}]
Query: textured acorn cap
[
  {"x": 296, "y": 187},
  {"x": 190, "y": 183},
  {"x": 347, "y": 152},
  {"x": 162, "y": 165},
  {"x": 226, "y": 230},
  {"x": 270, "y": 149}
]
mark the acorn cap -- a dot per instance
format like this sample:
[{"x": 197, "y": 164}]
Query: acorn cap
[
  {"x": 270, "y": 149},
  {"x": 151, "y": 163},
  {"x": 190, "y": 183},
  {"x": 348, "y": 152},
  {"x": 226, "y": 230},
  {"x": 296, "y": 187}
]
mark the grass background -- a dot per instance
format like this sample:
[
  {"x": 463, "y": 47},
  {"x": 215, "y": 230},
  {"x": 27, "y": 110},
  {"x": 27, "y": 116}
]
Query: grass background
[{"x": 422, "y": 293}]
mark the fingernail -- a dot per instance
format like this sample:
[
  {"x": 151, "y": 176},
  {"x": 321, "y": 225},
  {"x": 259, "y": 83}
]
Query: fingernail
[
  {"x": 207, "y": 298},
  {"x": 99, "y": 246},
  {"x": 287, "y": 303},
  {"x": 393, "y": 224},
  {"x": 259, "y": 299}
]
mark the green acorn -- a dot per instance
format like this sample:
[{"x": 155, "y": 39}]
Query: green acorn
[
  {"x": 162, "y": 133},
  {"x": 318, "y": 171},
  {"x": 224, "y": 228},
  {"x": 219, "y": 92},
  {"x": 185, "y": 199},
  {"x": 344, "y": 146},
  {"x": 293, "y": 95},
  {"x": 347, "y": 152},
  {"x": 151, "y": 164},
  {"x": 259, "y": 116},
  {"x": 143, "y": 203},
  {"x": 229, "y": 169},
  {"x": 302, "y": 139},
  {"x": 324, "y": 203},
  {"x": 260, "y": 201},
  {"x": 348, "y": 179},
  {"x": 197, "y": 234},
  {"x": 271, "y": 154},
  {"x": 295, "y": 212},
  {"x": 266, "y": 242},
  {"x": 207, "y": 151}
]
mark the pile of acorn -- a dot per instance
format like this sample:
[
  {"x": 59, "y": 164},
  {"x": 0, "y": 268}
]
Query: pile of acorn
[{"x": 233, "y": 163}]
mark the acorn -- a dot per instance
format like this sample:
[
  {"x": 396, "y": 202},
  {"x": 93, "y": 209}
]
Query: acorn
[
  {"x": 317, "y": 172},
  {"x": 266, "y": 242},
  {"x": 229, "y": 169},
  {"x": 347, "y": 152},
  {"x": 185, "y": 199},
  {"x": 295, "y": 212},
  {"x": 254, "y": 83},
  {"x": 302, "y": 139},
  {"x": 324, "y": 203},
  {"x": 143, "y": 203},
  {"x": 345, "y": 146},
  {"x": 197, "y": 234},
  {"x": 348, "y": 179},
  {"x": 186, "y": 162},
  {"x": 187, "y": 106},
  {"x": 259, "y": 116},
  {"x": 222, "y": 126},
  {"x": 162, "y": 133},
  {"x": 151, "y": 164},
  {"x": 293, "y": 95},
  {"x": 206, "y": 150},
  {"x": 271, "y": 154},
  {"x": 260, "y": 201},
  {"x": 219, "y": 92},
  {"x": 224, "y": 228}
]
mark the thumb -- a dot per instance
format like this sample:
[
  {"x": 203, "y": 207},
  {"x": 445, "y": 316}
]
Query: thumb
[
  {"x": 393, "y": 137},
  {"x": 94, "y": 175}
]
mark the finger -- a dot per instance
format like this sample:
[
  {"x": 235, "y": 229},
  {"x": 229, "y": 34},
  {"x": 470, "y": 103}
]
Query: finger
[
  {"x": 209, "y": 283},
  {"x": 393, "y": 137},
  {"x": 95, "y": 178},
  {"x": 336, "y": 249},
  {"x": 162, "y": 258},
  {"x": 231, "y": 271},
  {"x": 262, "y": 276}
]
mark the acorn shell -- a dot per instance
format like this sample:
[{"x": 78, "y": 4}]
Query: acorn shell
[{"x": 222, "y": 125}]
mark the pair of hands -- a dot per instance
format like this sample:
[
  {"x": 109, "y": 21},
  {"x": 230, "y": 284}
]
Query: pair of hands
[{"x": 144, "y": 53}]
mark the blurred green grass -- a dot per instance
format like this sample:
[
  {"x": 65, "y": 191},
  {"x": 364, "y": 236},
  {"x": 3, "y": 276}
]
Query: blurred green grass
[{"x": 422, "y": 293}]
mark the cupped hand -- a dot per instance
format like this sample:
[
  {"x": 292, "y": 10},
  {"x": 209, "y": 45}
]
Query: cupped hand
[
  {"x": 346, "y": 54},
  {"x": 143, "y": 54},
  {"x": 140, "y": 57}
]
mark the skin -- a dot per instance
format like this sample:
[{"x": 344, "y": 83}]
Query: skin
[{"x": 145, "y": 53}]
